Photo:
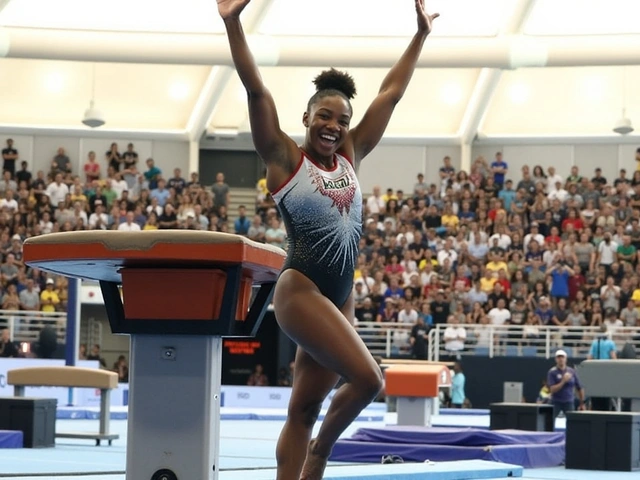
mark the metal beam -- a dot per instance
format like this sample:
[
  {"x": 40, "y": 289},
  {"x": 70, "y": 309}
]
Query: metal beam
[
  {"x": 489, "y": 78},
  {"x": 220, "y": 76},
  {"x": 506, "y": 51}
]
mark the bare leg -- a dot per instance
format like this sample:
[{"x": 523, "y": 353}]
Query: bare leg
[
  {"x": 326, "y": 334},
  {"x": 311, "y": 385}
]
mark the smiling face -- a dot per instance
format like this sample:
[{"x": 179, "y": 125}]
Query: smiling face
[{"x": 327, "y": 123}]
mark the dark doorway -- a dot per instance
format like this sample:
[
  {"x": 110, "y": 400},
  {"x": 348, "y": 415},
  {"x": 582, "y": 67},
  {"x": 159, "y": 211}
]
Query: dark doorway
[{"x": 242, "y": 169}]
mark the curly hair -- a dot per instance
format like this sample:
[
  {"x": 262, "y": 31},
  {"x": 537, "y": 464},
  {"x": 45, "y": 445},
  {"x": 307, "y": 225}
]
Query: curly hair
[{"x": 333, "y": 82}]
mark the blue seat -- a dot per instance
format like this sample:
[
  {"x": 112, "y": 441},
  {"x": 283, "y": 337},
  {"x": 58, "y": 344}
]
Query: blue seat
[
  {"x": 529, "y": 351},
  {"x": 512, "y": 351},
  {"x": 482, "y": 351}
]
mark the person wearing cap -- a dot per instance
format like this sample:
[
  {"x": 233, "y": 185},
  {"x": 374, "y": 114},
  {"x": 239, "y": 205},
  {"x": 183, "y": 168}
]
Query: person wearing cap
[{"x": 563, "y": 384}]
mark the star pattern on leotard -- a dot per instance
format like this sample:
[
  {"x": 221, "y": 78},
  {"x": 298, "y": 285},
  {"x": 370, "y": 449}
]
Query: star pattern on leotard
[{"x": 340, "y": 190}]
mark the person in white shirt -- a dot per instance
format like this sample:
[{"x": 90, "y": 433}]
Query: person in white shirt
[
  {"x": 129, "y": 225},
  {"x": 375, "y": 203},
  {"x": 454, "y": 335},
  {"x": 447, "y": 252},
  {"x": 499, "y": 315},
  {"x": 558, "y": 193},
  {"x": 99, "y": 220},
  {"x": 607, "y": 251},
  {"x": 553, "y": 179},
  {"x": 534, "y": 235},
  {"x": 57, "y": 191},
  {"x": 504, "y": 240},
  {"x": 408, "y": 314},
  {"x": 119, "y": 185},
  {"x": 9, "y": 202}
]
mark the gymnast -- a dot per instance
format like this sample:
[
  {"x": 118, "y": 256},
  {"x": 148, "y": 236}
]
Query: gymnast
[{"x": 317, "y": 193}]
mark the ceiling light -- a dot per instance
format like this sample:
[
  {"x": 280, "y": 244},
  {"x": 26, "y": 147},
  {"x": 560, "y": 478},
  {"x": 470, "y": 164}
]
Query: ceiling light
[
  {"x": 623, "y": 126},
  {"x": 93, "y": 117}
]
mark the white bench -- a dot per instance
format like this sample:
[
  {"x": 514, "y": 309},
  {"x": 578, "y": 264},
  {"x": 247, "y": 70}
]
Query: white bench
[{"x": 72, "y": 377}]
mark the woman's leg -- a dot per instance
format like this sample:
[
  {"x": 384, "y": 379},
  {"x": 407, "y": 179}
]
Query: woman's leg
[
  {"x": 325, "y": 333},
  {"x": 311, "y": 385}
]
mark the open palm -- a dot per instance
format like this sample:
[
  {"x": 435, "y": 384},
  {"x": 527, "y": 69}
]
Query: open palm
[
  {"x": 425, "y": 21},
  {"x": 231, "y": 8}
]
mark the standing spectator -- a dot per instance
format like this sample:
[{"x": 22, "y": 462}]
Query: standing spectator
[
  {"x": 129, "y": 158},
  {"x": 419, "y": 339},
  {"x": 221, "y": 197},
  {"x": 91, "y": 168},
  {"x": 563, "y": 383},
  {"x": 23, "y": 175},
  {"x": 9, "y": 157},
  {"x": 177, "y": 182},
  {"x": 57, "y": 191},
  {"x": 49, "y": 299},
  {"x": 454, "y": 336},
  {"x": 7, "y": 347},
  {"x": 242, "y": 223},
  {"x": 153, "y": 174},
  {"x": 499, "y": 168},
  {"x": 61, "y": 163},
  {"x": 457, "y": 386},
  {"x": 114, "y": 159}
]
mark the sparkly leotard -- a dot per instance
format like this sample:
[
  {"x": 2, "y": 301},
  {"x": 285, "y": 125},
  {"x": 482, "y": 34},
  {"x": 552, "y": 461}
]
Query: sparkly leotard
[{"x": 322, "y": 212}]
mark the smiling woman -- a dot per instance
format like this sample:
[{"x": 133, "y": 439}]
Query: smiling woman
[{"x": 317, "y": 193}]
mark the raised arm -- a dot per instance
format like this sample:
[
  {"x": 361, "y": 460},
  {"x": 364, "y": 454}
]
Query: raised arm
[
  {"x": 270, "y": 142},
  {"x": 366, "y": 135}
]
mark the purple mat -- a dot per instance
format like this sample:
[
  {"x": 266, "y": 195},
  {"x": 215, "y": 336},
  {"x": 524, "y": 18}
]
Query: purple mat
[
  {"x": 465, "y": 437},
  {"x": 527, "y": 456},
  {"x": 11, "y": 439}
]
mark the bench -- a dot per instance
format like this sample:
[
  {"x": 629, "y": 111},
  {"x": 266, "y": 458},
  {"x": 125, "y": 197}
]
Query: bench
[
  {"x": 72, "y": 377},
  {"x": 417, "y": 388}
]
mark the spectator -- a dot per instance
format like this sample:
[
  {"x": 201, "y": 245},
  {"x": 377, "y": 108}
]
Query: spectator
[
  {"x": 7, "y": 348},
  {"x": 61, "y": 163},
  {"x": 95, "y": 355},
  {"x": 49, "y": 299},
  {"x": 221, "y": 195},
  {"x": 9, "y": 157},
  {"x": 242, "y": 223}
]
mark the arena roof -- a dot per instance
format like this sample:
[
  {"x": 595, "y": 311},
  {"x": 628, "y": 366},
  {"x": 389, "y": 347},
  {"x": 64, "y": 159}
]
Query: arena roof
[{"x": 492, "y": 68}]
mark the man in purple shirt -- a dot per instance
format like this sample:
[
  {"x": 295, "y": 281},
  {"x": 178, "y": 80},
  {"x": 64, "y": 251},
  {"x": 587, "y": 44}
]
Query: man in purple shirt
[{"x": 563, "y": 383}]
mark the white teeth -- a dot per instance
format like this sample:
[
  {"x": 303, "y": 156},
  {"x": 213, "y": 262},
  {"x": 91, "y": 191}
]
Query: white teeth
[{"x": 329, "y": 137}]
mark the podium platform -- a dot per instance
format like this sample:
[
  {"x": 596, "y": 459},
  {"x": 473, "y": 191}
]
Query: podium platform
[{"x": 177, "y": 293}]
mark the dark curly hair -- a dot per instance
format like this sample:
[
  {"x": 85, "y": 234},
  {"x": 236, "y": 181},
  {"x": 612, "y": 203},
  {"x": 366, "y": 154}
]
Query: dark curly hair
[{"x": 333, "y": 82}]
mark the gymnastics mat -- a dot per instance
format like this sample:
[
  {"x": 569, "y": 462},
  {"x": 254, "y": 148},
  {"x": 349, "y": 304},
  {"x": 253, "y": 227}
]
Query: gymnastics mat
[
  {"x": 464, "y": 470},
  {"x": 419, "y": 444},
  {"x": 11, "y": 439}
]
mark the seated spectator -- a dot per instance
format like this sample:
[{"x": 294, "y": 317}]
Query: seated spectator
[{"x": 7, "y": 348}]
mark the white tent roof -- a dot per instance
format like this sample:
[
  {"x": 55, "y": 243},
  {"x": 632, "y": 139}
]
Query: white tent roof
[{"x": 498, "y": 68}]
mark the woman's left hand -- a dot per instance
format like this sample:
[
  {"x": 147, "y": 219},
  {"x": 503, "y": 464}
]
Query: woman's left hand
[{"x": 425, "y": 21}]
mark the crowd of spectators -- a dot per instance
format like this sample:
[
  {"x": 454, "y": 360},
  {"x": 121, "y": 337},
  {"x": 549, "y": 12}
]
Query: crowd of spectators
[
  {"x": 493, "y": 246},
  {"x": 468, "y": 249}
]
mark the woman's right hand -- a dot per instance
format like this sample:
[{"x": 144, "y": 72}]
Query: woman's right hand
[{"x": 231, "y": 8}]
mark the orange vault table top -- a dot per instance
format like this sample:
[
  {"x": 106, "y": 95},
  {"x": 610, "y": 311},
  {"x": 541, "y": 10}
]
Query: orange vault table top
[{"x": 100, "y": 255}]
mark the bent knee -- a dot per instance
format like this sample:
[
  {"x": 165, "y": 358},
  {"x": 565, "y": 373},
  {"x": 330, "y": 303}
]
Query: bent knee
[
  {"x": 305, "y": 414},
  {"x": 370, "y": 384}
]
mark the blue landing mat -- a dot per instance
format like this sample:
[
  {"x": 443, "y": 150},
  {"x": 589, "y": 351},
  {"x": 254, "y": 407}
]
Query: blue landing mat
[
  {"x": 11, "y": 439},
  {"x": 463, "y": 470},
  {"x": 464, "y": 411},
  {"x": 463, "y": 437},
  {"x": 417, "y": 444}
]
